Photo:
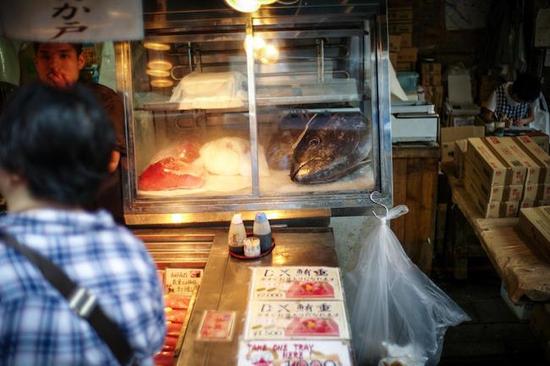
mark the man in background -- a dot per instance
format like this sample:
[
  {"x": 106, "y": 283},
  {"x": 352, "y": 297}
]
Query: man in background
[{"x": 59, "y": 65}]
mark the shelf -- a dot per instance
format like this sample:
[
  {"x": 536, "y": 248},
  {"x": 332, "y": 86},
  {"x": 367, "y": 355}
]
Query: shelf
[{"x": 333, "y": 91}]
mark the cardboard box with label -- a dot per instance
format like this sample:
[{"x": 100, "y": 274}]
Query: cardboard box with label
[
  {"x": 491, "y": 168},
  {"x": 534, "y": 224},
  {"x": 398, "y": 28},
  {"x": 460, "y": 148},
  {"x": 395, "y": 42},
  {"x": 492, "y": 192},
  {"x": 451, "y": 134},
  {"x": 537, "y": 154},
  {"x": 409, "y": 54},
  {"x": 516, "y": 171},
  {"x": 406, "y": 40},
  {"x": 490, "y": 209},
  {"x": 401, "y": 14}
]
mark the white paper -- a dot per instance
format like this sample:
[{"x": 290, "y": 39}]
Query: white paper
[
  {"x": 283, "y": 353},
  {"x": 395, "y": 86},
  {"x": 72, "y": 20}
]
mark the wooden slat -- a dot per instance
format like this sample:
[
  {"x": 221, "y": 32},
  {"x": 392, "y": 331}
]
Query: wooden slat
[
  {"x": 415, "y": 172},
  {"x": 399, "y": 195}
]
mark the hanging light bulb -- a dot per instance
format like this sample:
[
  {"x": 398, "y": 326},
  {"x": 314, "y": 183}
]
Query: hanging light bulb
[
  {"x": 159, "y": 65},
  {"x": 156, "y": 46},
  {"x": 255, "y": 44},
  {"x": 244, "y": 6},
  {"x": 267, "y": 2},
  {"x": 158, "y": 73},
  {"x": 161, "y": 83},
  {"x": 269, "y": 54}
]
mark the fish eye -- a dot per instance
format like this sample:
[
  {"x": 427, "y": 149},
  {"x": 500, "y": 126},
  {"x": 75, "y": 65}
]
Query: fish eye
[{"x": 314, "y": 142}]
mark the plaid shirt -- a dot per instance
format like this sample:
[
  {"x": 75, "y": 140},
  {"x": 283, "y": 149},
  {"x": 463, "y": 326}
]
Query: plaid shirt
[{"x": 36, "y": 325}]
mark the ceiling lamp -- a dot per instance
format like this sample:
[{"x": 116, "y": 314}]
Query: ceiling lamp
[
  {"x": 161, "y": 83},
  {"x": 269, "y": 54},
  {"x": 244, "y": 6},
  {"x": 156, "y": 46},
  {"x": 159, "y": 65},
  {"x": 158, "y": 73}
]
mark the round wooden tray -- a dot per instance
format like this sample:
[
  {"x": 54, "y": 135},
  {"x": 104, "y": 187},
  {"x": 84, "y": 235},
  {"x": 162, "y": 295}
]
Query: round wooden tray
[{"x": 259, "y": 256}]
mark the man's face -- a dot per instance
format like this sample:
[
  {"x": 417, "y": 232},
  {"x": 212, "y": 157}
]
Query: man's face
[{"x": 57, "y": 64}]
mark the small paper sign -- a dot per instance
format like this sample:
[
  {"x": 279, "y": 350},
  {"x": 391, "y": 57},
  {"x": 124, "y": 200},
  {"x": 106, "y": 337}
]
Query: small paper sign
[{"x": 182, "y": 280}]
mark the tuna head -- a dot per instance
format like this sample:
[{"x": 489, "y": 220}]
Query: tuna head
[{"x": 330, "y": 147}]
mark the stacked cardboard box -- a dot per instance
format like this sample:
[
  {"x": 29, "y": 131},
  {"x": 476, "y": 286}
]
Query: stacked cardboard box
[
  {"x": 502, "y": 174},
  {"x": 402, "y": 53},
  {"x": 534, "y": 225},
  {"x": 432, "y": 83}
]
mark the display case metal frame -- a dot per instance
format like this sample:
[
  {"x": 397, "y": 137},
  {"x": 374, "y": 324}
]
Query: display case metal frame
[{"x": 181, "y": 210}]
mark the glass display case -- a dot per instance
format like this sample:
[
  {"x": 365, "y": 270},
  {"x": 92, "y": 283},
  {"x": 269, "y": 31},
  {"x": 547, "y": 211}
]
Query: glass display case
[{"x": 286, "y": 108}]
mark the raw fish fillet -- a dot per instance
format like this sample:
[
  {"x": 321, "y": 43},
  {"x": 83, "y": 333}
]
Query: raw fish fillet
[{"x": 171, "y": 173}]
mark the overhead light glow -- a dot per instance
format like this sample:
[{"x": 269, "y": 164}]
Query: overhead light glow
[
  {"x": 161, "y": 83},
  {"x": 269, "y": 54},
  {"x": 267, "y": 2},
  {"x": 158, "y": 73},
  {"x": 244, "y": 6},
  {"x": 159, "y": 65},
  {"x": 156, "y": 46}
]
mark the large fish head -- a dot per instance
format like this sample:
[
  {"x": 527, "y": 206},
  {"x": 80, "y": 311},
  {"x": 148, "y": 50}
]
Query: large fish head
[{"x": 330, "y": 147}]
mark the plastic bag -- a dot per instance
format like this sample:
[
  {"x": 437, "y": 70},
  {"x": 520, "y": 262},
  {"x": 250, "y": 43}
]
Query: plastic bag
[{"x": 392, "y": 302}]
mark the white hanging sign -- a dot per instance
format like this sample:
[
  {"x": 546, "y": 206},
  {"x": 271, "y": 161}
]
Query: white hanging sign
[{"x": 71, "y": 20}]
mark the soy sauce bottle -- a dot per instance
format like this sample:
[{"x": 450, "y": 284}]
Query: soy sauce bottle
[
  {"x": 236, "y": 235},
  {"x": 262, "y": 230}
]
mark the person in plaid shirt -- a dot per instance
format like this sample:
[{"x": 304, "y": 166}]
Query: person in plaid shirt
[{"x": 55, "y": 146}]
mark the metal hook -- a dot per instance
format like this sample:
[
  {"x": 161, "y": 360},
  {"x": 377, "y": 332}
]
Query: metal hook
[{"x": 371, "y": 196}]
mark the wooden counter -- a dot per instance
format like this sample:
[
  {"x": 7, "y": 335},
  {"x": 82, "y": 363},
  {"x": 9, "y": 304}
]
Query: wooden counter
[
  {"x": 226, "y": 282},
  {"x": 523, "y": 273}
]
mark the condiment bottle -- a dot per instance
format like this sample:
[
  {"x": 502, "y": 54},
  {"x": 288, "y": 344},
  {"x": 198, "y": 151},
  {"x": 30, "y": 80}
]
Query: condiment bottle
[
  {"x": 236, "y": 235},
  {"x": 262, "y": 230}
]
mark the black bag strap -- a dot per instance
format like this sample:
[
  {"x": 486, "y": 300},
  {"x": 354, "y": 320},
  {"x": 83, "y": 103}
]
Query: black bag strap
[{"x": 80, "y": 300}]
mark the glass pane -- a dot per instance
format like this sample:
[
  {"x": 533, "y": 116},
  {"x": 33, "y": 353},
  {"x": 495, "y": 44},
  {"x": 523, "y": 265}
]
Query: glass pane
[
  {"x": 191, "y": 126},
  {"x": 314, "y": 118}
]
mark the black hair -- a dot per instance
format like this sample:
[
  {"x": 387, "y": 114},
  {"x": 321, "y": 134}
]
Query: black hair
[
  {"x": 59, "y": 140},
  {"x": 77, "y": 47},
  {"x": 526, "y": 87}
]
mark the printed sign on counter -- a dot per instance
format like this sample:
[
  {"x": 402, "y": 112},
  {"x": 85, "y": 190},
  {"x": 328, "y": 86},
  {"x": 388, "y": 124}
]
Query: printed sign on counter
[
  {"x": 288, "y": 353},
  {"x": 296, "y": 320},
  {"x": 296, "y": 283},
  {"x": 182, "y": 280}
]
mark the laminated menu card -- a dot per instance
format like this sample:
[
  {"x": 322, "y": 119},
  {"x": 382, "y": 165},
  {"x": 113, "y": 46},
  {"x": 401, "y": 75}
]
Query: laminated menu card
[
  {"x": 296, "y": 283},
  {"x": 286, "y": 353},
  {"x": 296, "y": 320}
]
